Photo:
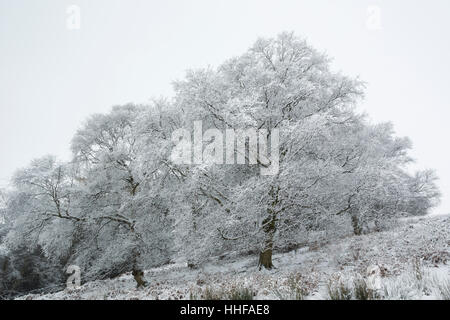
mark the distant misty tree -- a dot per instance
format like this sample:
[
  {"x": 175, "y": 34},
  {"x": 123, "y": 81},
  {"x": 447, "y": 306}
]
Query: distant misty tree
[
  {"x": 23, "y": 265},
  {"x": 41, "y": 200},
  {"x": 3, "y": 206},
  {"x": 423, "y": 192},
  {"x": 23, "y": 270}
]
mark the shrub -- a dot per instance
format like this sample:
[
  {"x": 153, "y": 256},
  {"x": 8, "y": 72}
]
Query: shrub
[
  {"x": 232, "y": 293},
  {"x": 296, "y": 287},
  {"x": 444, "y": 289},
  {"x": 362, "y": 292},
  {"x": 241, "y": 293},
  {"x": 418, "y": 269},
  {"x": 213, "y": 294},
  {"x": 338, "y": 290}
]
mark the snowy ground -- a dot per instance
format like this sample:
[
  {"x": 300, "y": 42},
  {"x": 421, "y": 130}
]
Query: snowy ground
[{"x": 412, "y": 260}]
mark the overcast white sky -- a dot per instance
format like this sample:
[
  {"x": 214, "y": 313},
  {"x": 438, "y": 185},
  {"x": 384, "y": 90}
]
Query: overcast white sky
[{"x": 52, "y": 78}]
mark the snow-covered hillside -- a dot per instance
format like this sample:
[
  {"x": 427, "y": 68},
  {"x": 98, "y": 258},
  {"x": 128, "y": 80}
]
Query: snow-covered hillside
[{"x": 412, "y": 261}]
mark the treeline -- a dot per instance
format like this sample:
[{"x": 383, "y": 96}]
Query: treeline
[{"x": 123, "y": 204}]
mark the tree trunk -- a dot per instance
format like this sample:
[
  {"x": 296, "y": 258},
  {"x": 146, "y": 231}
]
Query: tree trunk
[
  {"x": 357, "y": 228},
  {"x": 265, "y": 259},
  {"x": 265, "y": 256},
  {"x": 269, "y": 228},
  {"x": 137, "y": 272},
  {"x": 139, "y": 278}
]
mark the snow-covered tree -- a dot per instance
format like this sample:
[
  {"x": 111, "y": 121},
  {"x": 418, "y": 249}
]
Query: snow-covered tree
[
  {"x": 119, "y": 190},
  {"x": 105, "y": 211},
  {"x": 332, "y": 162}
]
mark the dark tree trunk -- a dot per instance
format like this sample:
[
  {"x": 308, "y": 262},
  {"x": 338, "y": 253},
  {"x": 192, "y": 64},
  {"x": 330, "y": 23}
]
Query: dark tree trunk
[
  {"x": 137, "y": 272},
  {"x": 269, "y": 228},
  {"x": 139, "y": 278},
  {"x": 356, "y": 224},
  {"x": 265, "y": 259},
  {"x": 265, "y": 256}
]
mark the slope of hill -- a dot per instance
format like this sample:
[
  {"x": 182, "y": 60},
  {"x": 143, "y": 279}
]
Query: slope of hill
[{"x": 411, "y": 261}]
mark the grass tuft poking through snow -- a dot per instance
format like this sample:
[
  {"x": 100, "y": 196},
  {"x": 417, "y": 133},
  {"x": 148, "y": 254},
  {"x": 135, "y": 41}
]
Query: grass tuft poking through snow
[
  {"x": 232, "y": 293},
  {"x": 338, "y": 288}
]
